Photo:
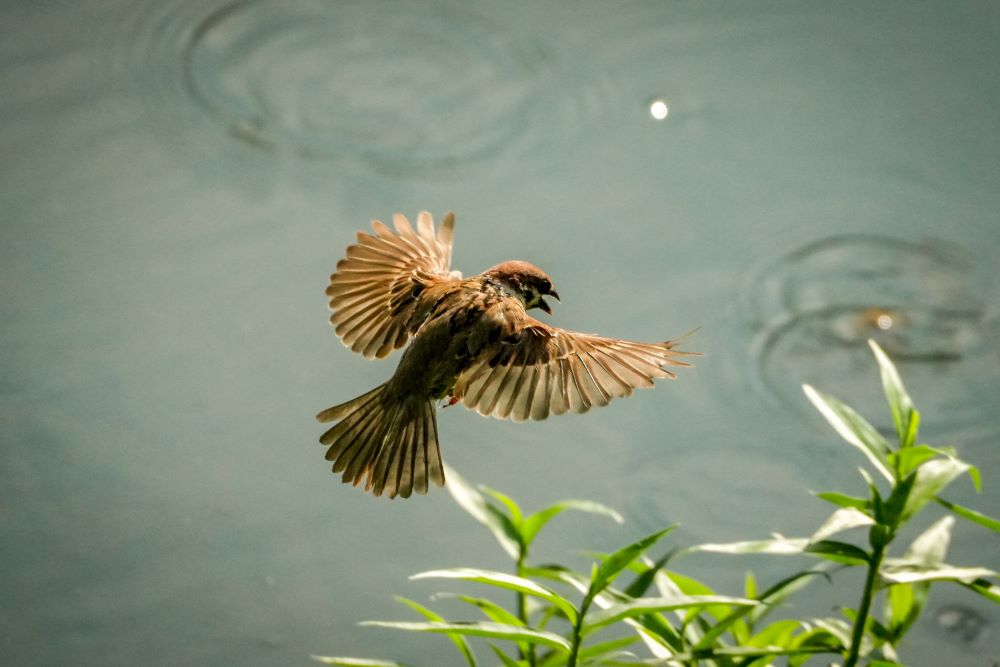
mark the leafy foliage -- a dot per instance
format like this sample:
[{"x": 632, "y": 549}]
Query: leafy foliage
[{"x": 681, "y": 621}]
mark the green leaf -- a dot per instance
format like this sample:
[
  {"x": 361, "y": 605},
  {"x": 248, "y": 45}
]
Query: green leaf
[
  {"x": 903, "y": 415},
  {"x": 644, "y": 606},
  {"x": 838, "y": 552},
  {"x": 604, "y": 648},
  {"x": 504, "y": 658},
  {"x": 931, "y": 477},
  {"x": 611, "y": 566},
  {"x": 780, "y": 591},
  {"x": 843, "y": 519},
  {"x": 458, "y": 640},
  {"x": 911, "y": 458},
  {"x": 491, "y": 609},
  {"x": 535, "y": 522},
  {"x": 778, "y": 633},
  {"x": 931, "y": 546},
  {"x": 355, "y": 662},
  {"x": 512, "y": 507},
  {"x": 504, "y": 580},
  {"x": 900, "y": 571},
  {"x": 746, "y": 652},
  {"x": 473, "y": 502},
  {"x": 904, "y": 604},
  {"x": 481, "y": 629},
  {"x": 971, "y": 515},
  {"x": 987, "y": 589},
  {"x": 853, "y": 428},
  {"x": 777, "y": 545},
  {"x": 842, "y": 500}
]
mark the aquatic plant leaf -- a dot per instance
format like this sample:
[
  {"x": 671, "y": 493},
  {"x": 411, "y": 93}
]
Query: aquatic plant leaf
[
  {"x": 504, "y": 580},
  {"x": 480, "y": 629},
  {"x": 931, "y": 546},
  {"x": 645, "y": 606},
  {"x": 932, "y": 477},
  {"x": 458, "y": 640},
  {"x": 472, "y": 501},
  {"x": 904, "y": 416},
  {"x": 838, "y": 552},
  {"x": 971, "y": 515},
  {"x": 853, "y": 428},
  {"x": 843, "y": 500},
  {"x": 535, "y": 522},
  {"x": 904, "y": 604},
  {"x": 611, "y": 566},
  {"x": 776, "y": 545},
  {"x": 984, "y": 587},
  {"x": 843, "y": 519},
  {"x": 490, "y": 609},
  {"x": 504, "y": 658},
  {"x": 355, "y": 662}
]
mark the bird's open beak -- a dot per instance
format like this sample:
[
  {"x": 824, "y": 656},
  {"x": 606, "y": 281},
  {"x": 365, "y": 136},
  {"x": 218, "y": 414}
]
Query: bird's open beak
[{"x": 546, "y": 307}]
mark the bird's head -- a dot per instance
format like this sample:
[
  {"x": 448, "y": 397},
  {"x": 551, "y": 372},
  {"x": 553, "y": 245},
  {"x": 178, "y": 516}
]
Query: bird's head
[{"x": 527, "y": 281}]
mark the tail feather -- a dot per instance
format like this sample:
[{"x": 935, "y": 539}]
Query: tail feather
[{"x": 392, "y": 445}]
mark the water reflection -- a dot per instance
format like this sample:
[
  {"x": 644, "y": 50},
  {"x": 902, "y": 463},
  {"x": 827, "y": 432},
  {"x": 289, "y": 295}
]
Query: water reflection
[{"x": 815, "y": 307}]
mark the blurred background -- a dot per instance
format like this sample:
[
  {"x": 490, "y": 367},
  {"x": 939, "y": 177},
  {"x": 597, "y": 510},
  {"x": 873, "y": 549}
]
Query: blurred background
[{"x": 180, "y": 177}]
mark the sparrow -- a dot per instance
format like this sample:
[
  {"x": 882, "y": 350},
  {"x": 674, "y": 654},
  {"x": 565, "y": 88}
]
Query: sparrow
[{"x": 471, "y": 341}]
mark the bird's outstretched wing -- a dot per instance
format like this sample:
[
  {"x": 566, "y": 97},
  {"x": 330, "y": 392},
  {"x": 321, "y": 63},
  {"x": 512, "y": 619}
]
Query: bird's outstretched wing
[
  {"x": 375, "y": 293},
  {"x": 540, "y": 370}
]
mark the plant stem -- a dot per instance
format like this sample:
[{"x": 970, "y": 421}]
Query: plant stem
[
  {"x": 577, "y": 628},
  {"x": 865, "y": 606},
  {"x": 522, "y": 613}
]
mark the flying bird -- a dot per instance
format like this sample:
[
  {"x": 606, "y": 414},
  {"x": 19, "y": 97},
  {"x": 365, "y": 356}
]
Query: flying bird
[{"x": 471, "y": 342}]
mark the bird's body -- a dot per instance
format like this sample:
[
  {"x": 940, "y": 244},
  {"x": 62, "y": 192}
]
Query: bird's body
[{"x": 471, "y": 340}]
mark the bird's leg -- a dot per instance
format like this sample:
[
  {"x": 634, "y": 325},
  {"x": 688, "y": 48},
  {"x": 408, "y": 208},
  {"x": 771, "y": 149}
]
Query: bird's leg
[{"x": 451, "y": 400}]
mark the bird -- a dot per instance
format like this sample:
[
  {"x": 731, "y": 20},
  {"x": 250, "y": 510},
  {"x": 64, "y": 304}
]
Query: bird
[{"x": 471, "y": 341}]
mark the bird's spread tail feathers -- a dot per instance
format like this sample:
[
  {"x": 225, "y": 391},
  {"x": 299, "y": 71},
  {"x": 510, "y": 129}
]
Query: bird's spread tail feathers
[{"x": 389, "y": 443}]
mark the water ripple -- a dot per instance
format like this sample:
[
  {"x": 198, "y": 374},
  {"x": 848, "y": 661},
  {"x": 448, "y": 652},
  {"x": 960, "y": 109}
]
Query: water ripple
[
  {"x": 815, "y": 308},
  {"x": 392, "y": 84}
]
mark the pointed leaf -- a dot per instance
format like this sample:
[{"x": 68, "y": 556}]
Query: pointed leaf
[
  {"x": 909, "y": 459},
  {"x": 777, "y": 545},
  {"x": 619, "y": 560},
  {"x": 644, "y": 606},
  {"x": 843, "y": 519},
  {"x": 491, "y": 609},
  {"x": 481, "y": 629},
  {"x": 972, "y": 515},
  {"x": 457, "y": 640},
  {"x": 513, "y": 508},
  {"x": 535, "y": 522},
  {"x": 984, "y": 587},
  {"x": 604, "y": 648},
  {"x": 904, "y": 604},
  {"x": 899, "y": 571},
  {"x": 931, "y": 546},
  {"x": 504, "y": 580},
  {"x": 853, "y": 428},
  {"x": 899, "y": 401},
  {"x": 355, "y": 662},
  {"x": 504, "y": 658},
  {"x": 473, "y": 502},
  {"x": 838, "y": 552},
  {"x": 842, "y": 500},
  {"x": 932, "y": 477}
]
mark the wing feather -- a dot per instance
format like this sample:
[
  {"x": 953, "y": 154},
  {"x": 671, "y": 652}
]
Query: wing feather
[
  {"x": 540, "y": 370},
  {"x": 379, "y": 292}
]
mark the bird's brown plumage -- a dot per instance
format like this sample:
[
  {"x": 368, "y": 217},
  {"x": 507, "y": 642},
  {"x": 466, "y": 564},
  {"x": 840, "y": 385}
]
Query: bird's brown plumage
[{"x": 471, "y": 340}]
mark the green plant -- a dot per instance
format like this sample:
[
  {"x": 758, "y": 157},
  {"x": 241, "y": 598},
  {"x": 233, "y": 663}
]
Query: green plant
[{"x": 562, "y": 617}]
